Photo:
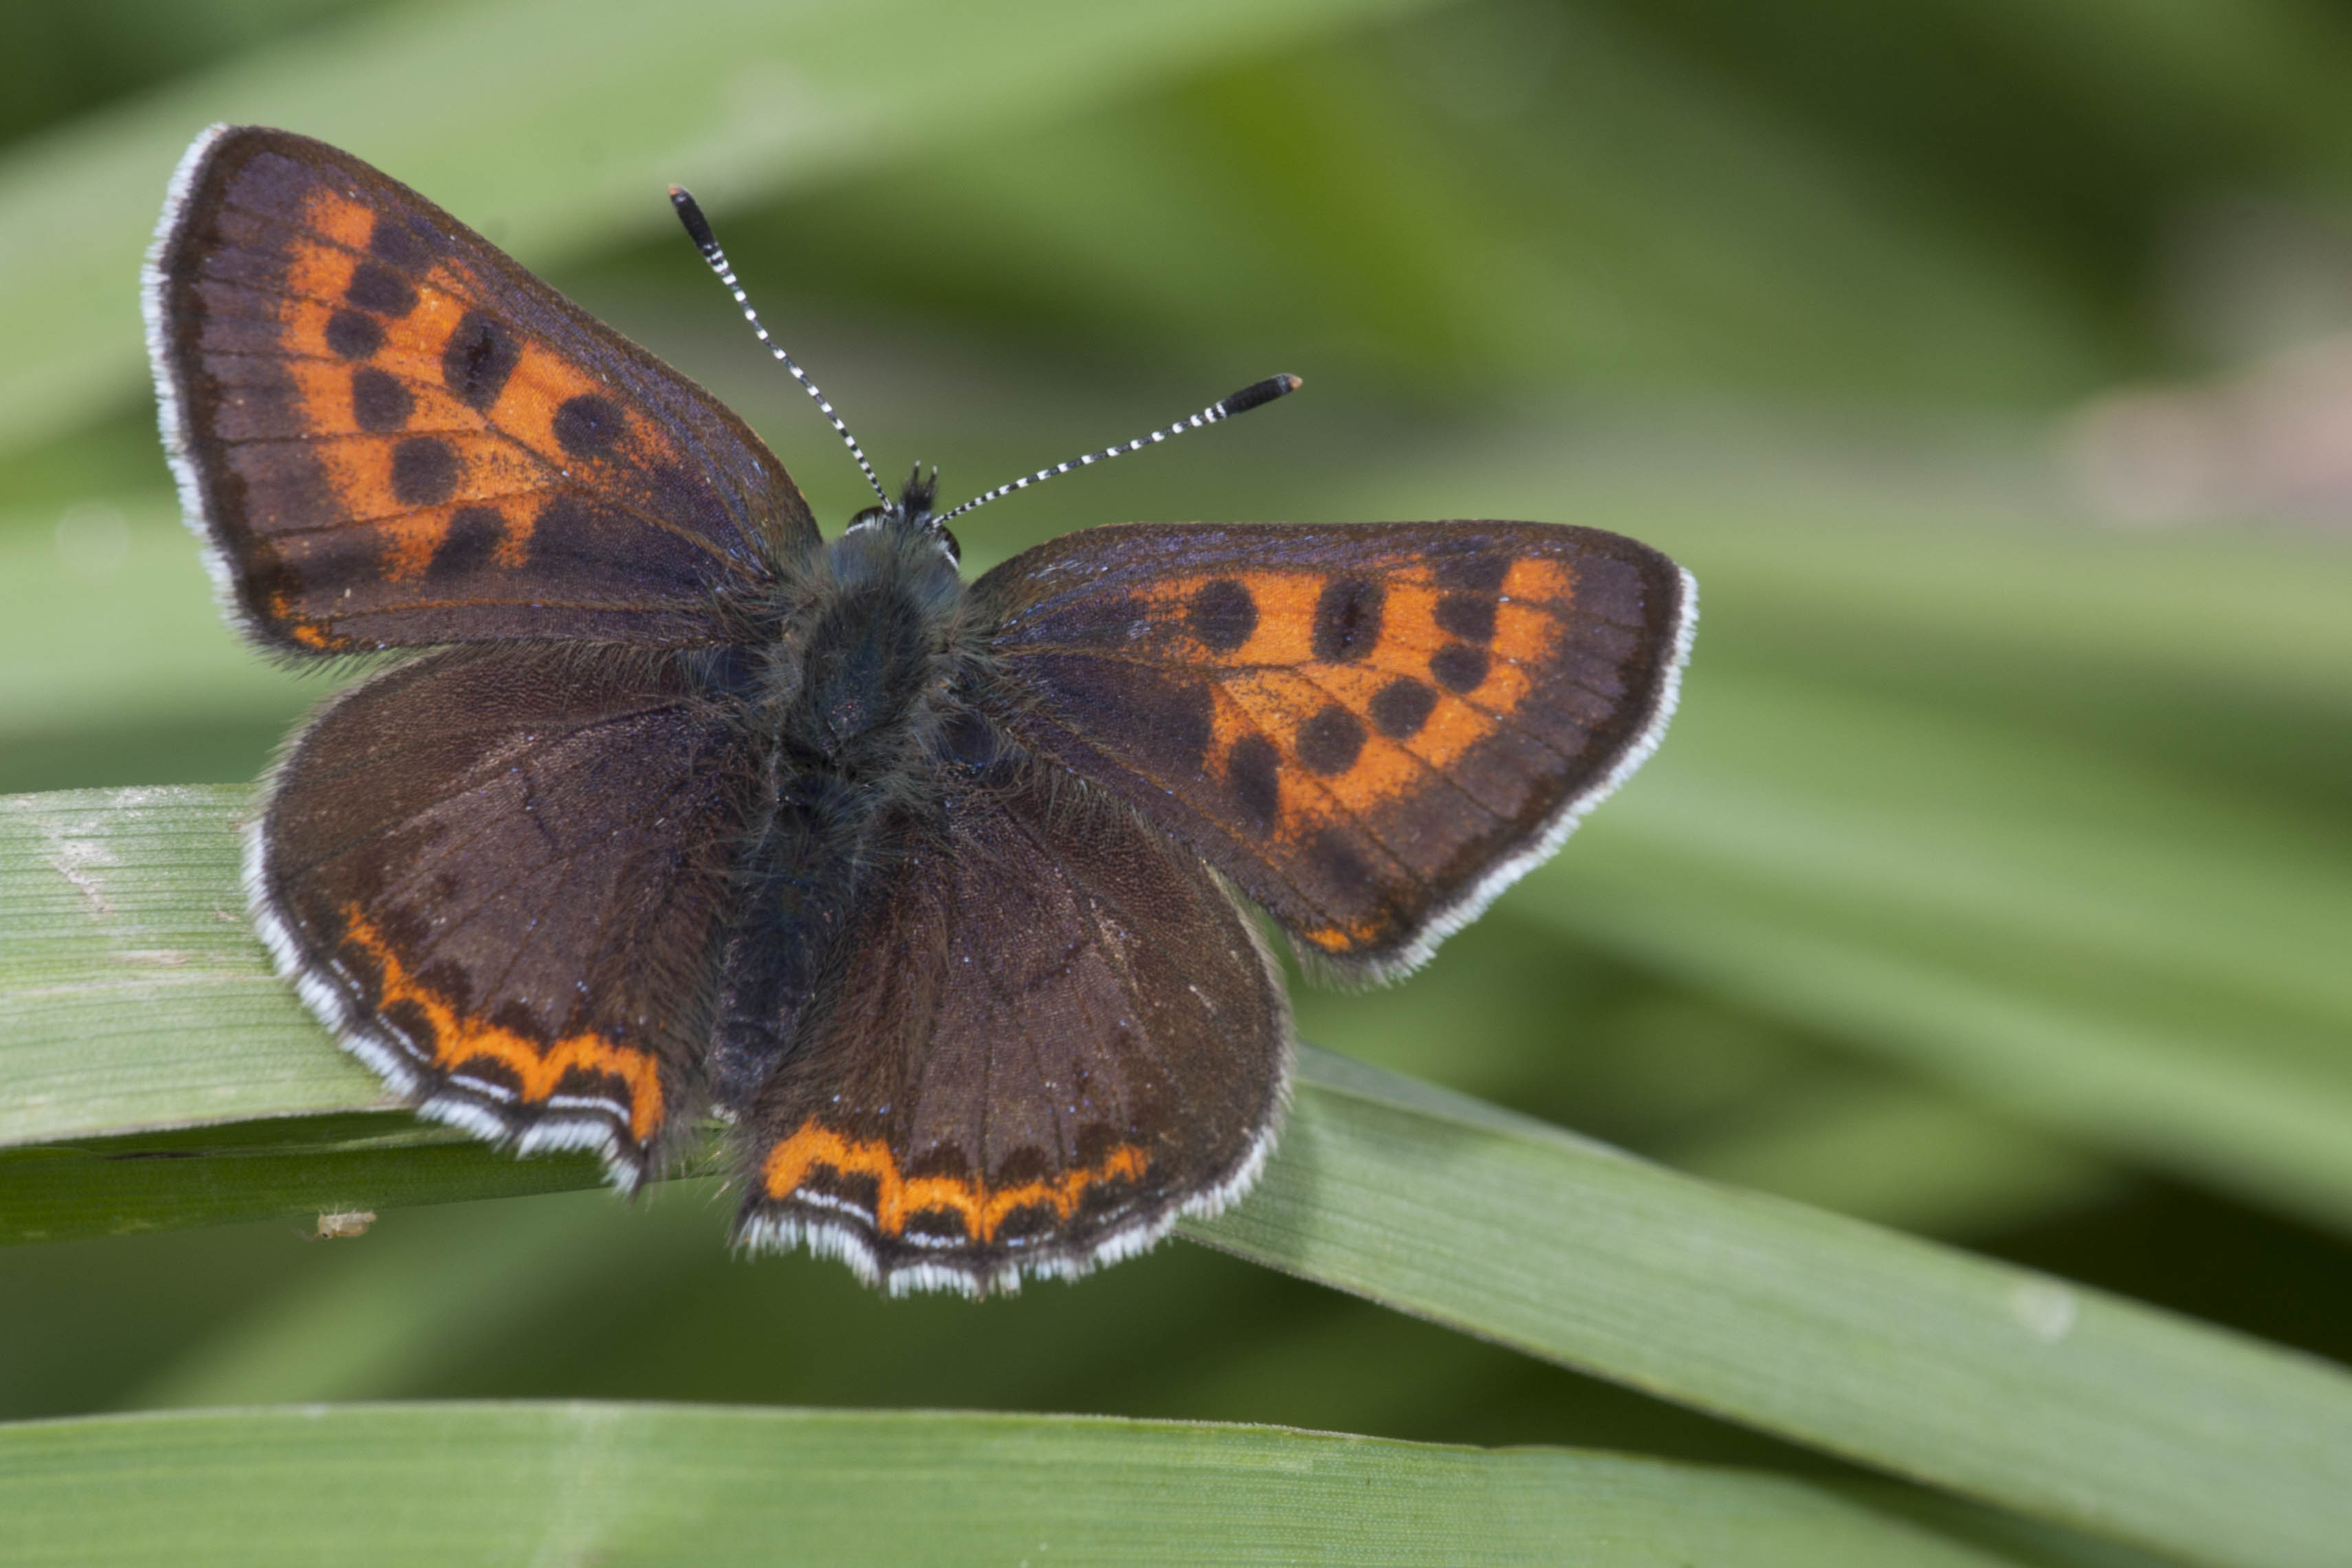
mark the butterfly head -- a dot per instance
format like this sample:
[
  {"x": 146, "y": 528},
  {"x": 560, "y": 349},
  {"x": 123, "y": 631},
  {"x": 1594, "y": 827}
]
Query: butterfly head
[{"x": 913, "y": 514}]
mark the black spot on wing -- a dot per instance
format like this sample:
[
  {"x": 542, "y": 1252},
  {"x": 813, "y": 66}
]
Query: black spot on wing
[
  {"x": 1348, "y": 619},
  {"x": 1401, "y": 707},
  {"x": 944, "y": 1226},
  {"x": 468, "y": 548},
  {"x": 1343, "y": 868},
  {"x": 1331, "y": 742},
  {"x": 589, "y": 425},
  {"x": 1253, "y": 769},
  {"x": 1222, "y": 614},
  {"x": 393, "y": 240},
  {"x": 354, "y": 336},
  {"x": 1469, "y": 616},
  {"x": 424, "y": 471},
  {"x": 860, "y": 1190},
  {"x": 1459, "y": 667},
  {"x": 482, "y": 354},
  {"x": 1479, "y": 571},
  {"x": 1025, "y": 1165},
  {"x": 377, "y": 288},
  {"x": 1031, "y": 1222},
  {"x": 379, "y": 402}
]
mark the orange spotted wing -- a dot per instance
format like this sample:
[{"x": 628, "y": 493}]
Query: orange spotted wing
[
  {"x": 1373, "y": 729},
  {"x": 393, "y": 436}
]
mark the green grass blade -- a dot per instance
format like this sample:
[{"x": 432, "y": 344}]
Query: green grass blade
[
  {"x": 258, "y": 1170},
  {"x": 2159, "y": 974},
  {"x": 134, "y": 994},
  {"x": 558, "y": 127},
  {"x": 2057, "y": 1401},
  {"x": 637, "y": 1483},
  {"x": 134, "y": 998}
]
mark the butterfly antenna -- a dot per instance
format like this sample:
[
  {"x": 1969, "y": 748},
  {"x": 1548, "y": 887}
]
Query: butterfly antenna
[
  {"x": 1242, "y": 402},
  {"x": 698, "y": 228}
]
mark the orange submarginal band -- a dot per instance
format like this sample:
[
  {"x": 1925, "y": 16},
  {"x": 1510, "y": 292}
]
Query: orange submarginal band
[
  {"x": 457, "y": 1039},
  {"x": 901, "y": 1196},
  {"x": 280, "y": 608}
]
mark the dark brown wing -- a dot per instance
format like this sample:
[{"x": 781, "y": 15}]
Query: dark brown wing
[
  {"x": 391, "y": 434},
  {"x": 500, "y": 875},
  {"x": 1049, "y": 1034},
  {"x": 1373, "y": 730}
]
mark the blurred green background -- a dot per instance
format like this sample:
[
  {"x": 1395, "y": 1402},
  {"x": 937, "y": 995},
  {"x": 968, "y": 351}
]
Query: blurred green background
[{"x": 1980, "y": 359}]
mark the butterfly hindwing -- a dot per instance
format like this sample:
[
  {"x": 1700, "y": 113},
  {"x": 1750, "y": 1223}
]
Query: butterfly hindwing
[
  {"x": 1049, "y": 1034},
  {"x": 501, "y": 874},
  {"x": 394, "y": 436},
  {"x": 1370, "y": 728}
]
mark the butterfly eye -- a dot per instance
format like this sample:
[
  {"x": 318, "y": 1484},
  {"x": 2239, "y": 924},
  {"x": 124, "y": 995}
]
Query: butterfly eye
[
  {"x": 871, "y": 517},
  {"x": 948, "y": 543}
]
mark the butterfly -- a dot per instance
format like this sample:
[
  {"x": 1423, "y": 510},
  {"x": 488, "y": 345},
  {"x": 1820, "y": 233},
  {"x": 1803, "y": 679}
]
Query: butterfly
[{"x": 938, "y": 891}]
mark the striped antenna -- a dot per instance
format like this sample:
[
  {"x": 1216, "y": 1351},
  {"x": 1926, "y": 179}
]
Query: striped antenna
[
  {"x": 1242, "y": 402},
  {"x": 698, "y": 228}
]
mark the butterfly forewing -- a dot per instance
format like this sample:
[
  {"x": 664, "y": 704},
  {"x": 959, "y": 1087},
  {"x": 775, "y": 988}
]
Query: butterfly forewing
[
  {"x": 502, "y": 873},
  {"x": 1370, "y": 728},
  {"x": 1052, "y": 1033},
  {"x": 394, "y": 435}
]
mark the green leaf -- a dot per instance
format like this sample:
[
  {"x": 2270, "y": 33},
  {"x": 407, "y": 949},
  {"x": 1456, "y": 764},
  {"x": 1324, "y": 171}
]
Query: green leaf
[
  {"x": 558, "y": 126},
  {"x": 2161, "y": 979},
  {"x": 133, "y": 995},
  {"x": 2015, "y": 1387},
  {"x": 132, "y": 998},
  {"x": 635, "y": 1483}
]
